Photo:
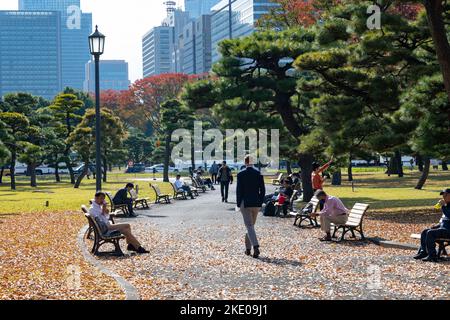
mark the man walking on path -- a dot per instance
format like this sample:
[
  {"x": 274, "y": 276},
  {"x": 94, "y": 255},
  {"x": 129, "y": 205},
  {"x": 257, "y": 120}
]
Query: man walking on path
[
  {"x": 214, "y": 170},
  {"x": 250, "y": 194},
  {"x": 225, "y": 178}
]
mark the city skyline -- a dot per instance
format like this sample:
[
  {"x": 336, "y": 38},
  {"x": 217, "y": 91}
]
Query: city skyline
[{"x": 124, "y": 40}]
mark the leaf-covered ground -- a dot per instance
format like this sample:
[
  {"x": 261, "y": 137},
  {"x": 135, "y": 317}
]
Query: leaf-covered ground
[
  {"x": 40, "y": 259},
  {"x": 197, "y": 253}
]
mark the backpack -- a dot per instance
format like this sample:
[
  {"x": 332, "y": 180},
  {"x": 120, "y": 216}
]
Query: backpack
[{"x": 269, "y": 210}]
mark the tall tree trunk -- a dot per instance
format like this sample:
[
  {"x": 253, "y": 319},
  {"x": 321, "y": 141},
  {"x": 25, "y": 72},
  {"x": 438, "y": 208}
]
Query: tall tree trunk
[
  {"x": 398, "y": 159},
  {"x": 435, "y": 10},
  {"x": 419, "y": 160},
  {"x": 13, "y": 170},
  {"x": 350, "y": 168},
  {"x": 167, "y": 158},
  {"x": 69, "y": 167},
  {"x": 32, "y": 170},
  {"x": 2, "y": 171},
  {"x": 105, "y": 168},
  {"x": 193, "y": 158},
  {"x": 81, "y": 176},
  {"x": 288, "y": 167},
  {"x": 57, "y": 176},
  {"x": 444, "y": 165},
  {"x": 424, "y": 177},
  {"x": 305, "y": 162}
]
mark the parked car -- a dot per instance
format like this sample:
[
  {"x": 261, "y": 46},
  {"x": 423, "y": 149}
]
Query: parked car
[
  {"x": 78, "y": 170},
  {"x": 135, "y": 168},
  {"x": 159, "y": 168}
]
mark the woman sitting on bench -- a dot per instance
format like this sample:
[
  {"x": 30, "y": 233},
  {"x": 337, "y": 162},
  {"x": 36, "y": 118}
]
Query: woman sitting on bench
[{"x": 99, "y": 210}]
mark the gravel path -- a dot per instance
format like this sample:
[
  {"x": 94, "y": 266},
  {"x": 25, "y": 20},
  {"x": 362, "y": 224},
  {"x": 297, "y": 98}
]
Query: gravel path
[{"x": 197, "y": 252}]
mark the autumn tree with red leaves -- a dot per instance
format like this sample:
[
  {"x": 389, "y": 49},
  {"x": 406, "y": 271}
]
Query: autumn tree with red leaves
[{"x": 141, "y": 104}]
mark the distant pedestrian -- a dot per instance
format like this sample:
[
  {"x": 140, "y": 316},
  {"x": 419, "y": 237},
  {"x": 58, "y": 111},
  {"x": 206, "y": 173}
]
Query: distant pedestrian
[
  {"x": 250, "y": 193},
  {"x": 214, "y": 171},
  {"x": 225, "y": 178}
]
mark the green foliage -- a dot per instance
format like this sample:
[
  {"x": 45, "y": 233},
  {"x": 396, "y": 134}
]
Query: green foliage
[{"x": 427, "y": 109}]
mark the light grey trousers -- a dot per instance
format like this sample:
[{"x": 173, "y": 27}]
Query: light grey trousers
[{"x": 250, "y": 215}]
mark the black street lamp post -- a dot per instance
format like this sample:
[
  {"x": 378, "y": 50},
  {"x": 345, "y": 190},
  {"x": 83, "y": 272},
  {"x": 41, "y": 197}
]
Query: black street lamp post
[{"x": 97, "y": 46}]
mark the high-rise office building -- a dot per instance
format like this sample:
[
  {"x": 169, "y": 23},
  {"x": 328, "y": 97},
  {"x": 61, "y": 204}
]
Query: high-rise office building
[
  {"x": 197, "y": 8},
  {"x": 30, "y": 53},
  {"x": 194, "y": 47},
  {"x": 76, "y": 26},
  {"x": 113, "y": 75},
  {"x": 234, "y": 19},
  {"x": 157, "y": 48}
]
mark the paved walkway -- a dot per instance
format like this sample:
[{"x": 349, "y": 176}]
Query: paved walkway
[{"x": 197, "y": 252}]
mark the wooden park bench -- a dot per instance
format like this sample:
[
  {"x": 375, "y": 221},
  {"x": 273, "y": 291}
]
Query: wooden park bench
[
  {"x": 354, "y": 222},
  {"x": 116, "y": 209},
  {"x": 139, "y": 202},
  {"x": 100, "y": 238},
  {"x": 159, "y": 195},
  {"x": 178, "y": 194},
  {"x": 197, "y": 185},
  {"x": 301, "y": 216},
  {"x": 277, "y": 181},
  {"x": 443, "y": 243}
]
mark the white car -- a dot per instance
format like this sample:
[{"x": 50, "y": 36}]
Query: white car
[
  {"x": 159, "y": 168},
  {"x": 21, "y": 169}
]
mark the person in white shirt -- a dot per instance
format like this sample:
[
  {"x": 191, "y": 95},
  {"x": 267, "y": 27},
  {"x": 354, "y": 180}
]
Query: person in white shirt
[
  {"x": 179, "y": 184},
  {"x": 99, "y": 209}
]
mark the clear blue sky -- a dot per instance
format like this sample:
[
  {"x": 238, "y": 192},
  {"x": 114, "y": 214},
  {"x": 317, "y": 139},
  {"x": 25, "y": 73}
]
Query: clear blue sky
[{"x": 124, "y": 22}]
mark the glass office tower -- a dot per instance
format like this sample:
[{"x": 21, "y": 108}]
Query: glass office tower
[
  {"x": 157, "y": 48},
  {"x": 30, "y": 53},
  {"x": 197, "y": 8},
  {"x": 76, "y": 26},
  {"x": 114, "y": 75},
  {"x": 234, "y": 19}
]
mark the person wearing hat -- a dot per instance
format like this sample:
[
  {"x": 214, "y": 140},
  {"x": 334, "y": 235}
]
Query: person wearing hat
[{"x": 427, "y": 251}]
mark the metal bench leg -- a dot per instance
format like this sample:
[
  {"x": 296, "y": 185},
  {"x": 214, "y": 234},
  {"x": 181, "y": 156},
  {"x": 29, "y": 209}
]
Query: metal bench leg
[{"x": 118, "y": 251}]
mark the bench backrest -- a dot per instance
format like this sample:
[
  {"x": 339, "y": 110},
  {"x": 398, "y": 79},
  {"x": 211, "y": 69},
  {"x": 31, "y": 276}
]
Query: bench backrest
[
  {"x": 110, "y": 199},
  {"x": 195, "y": 182},
  {"x": 357, "y": 213},
  {"x": 156, "y": 189},
  {"x": 294, "y": 196},
  {"x": 315, "y": 203},
  {"x": 92, "y": 223}
]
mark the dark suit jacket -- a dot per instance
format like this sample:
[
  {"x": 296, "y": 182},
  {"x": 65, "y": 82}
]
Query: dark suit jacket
[
  {"x": 121, "y": 196},
  {"x": 250, "y": 188}
]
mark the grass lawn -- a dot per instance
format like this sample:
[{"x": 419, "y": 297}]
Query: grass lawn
[
  {"x": 62, "y": 196},
  {"x": 383, "y": 193}
]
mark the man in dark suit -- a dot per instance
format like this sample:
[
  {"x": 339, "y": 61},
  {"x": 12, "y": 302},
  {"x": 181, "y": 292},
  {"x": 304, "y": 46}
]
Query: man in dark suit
[
  {"x": 250, "y": 194},
  {"x": 121, "y": 197}
]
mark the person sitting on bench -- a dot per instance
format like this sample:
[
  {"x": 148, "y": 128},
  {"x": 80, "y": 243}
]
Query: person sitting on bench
[
  {"x": 179, "y": 184},
  {"x": 286, "y": 191},
  {"x": 121, "y": 197},
  {"x": 99, "y": 210},
  {"x": 208, "y": 182},
  {"x": 333, "y": 211},
  {"x": 427, "y": 251}
]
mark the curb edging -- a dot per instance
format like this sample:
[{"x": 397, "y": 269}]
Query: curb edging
[
  {"x": 130, "y": 291},
  {"x": 393, "y": 244}
]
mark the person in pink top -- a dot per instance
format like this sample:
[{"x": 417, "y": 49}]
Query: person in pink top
[{"x": 333, "y": 211}]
